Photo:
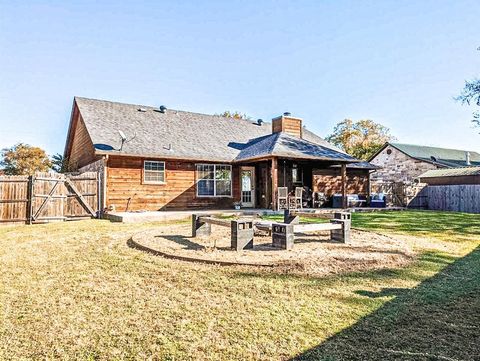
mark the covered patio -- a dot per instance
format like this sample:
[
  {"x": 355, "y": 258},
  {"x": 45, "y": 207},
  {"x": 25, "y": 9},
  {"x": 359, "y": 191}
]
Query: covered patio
[{"x": 283, "y": 162}]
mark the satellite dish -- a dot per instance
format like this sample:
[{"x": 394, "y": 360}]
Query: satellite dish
[
  {"x": 122, "y": 135},
  {"x": 124, "y": 138}
]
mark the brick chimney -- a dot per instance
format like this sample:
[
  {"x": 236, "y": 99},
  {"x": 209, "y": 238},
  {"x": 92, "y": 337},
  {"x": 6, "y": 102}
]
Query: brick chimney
[{"x": 287, "y": 124}]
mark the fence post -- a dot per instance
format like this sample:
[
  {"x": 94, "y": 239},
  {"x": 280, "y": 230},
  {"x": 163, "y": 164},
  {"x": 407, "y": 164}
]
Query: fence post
[
  {"x": 29, "y": 210},
  {"x": 99, "y": 198}
]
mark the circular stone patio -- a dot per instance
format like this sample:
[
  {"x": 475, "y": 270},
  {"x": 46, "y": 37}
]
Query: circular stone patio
[{"x": 312, "y": 254}]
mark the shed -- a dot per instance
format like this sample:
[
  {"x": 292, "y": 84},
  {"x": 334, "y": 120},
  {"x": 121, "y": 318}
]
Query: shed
[{"x": 451, "y": 176}]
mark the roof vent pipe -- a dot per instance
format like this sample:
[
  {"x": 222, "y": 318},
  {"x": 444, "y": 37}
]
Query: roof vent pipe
[
  {"x": 467, "y": 158},
  {"x": 259, "y": 121},
  {"x": 163, "y": 108}
]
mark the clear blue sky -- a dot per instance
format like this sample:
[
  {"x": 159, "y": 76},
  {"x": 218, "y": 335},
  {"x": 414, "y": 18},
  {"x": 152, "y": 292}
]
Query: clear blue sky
[{"x": 396, "y": 62}]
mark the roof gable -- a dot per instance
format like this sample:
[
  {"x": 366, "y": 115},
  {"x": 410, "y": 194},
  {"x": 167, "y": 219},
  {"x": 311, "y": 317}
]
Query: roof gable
[{"x": 446, "y": 157}]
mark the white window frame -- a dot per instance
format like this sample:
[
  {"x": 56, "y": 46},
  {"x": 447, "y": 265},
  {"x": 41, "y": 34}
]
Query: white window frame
[
  {"x": 145, "y": 170},
  {"x": 214, "y": 180}
]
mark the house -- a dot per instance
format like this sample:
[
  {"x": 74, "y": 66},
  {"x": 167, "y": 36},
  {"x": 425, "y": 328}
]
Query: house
[
  {"x": 405, "y": 162},
  {"x": 451, "y": 176},
  {"x": 154, "y": 158}
]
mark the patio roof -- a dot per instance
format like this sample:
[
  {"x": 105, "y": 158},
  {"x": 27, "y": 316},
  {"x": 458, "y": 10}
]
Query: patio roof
[{"x": 283, "y": 145}]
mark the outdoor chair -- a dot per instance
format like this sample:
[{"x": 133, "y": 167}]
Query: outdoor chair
[
  {"x": 282, "y": 198},
  {"x": 298, "y": 197},
  {"x": 378, "y": 200}
]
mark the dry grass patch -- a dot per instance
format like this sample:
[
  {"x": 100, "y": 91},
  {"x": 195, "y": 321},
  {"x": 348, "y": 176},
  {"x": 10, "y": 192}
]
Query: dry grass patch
[{"x": 77, "y": 291}]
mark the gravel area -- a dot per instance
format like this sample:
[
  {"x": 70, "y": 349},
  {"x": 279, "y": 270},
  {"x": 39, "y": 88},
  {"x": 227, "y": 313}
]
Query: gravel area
[{"x": 312, "y": 254}]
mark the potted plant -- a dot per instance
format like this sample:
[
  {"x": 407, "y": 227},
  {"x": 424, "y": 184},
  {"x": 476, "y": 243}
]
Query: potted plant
[{"x": 237, "y": 205}]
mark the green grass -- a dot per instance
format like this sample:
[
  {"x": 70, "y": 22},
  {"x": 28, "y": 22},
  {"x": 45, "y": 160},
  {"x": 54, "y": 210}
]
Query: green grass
[
  {"x": 76, "y": 291},
  {"x": 441, "y": 225}
]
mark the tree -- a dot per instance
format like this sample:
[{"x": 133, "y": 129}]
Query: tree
[
  {"x": 60, "y": 164},
  {"x": 234, "y": 115},
  {"x": 471, "y": 94},
  {"x": 23, "y": 159},
  {"x": 360, "y": 139}
]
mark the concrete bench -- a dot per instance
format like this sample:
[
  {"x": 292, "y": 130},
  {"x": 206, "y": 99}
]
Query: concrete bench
[
  {"x": 283, "y": 234},
  {"x": 241, "y": 230}
]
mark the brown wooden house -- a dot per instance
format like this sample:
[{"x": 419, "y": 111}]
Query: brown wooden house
[{"x": 156, "y": 158}]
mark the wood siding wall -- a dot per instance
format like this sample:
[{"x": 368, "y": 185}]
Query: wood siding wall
[
  {"x": 397, "y": 166},
  {"x": 125, "y": 186},
  {"x": 289, "y": 125},
  {"x": 457, "y": 180},
  {"x": 80, "y": 147},
  {"x": 329, "y": 181}
]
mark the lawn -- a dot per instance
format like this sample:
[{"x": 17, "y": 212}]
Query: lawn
[{"x": 77, "y": 291}]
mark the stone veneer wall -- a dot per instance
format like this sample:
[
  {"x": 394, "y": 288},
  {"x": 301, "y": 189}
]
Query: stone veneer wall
[{"x": 397, "y": 166}]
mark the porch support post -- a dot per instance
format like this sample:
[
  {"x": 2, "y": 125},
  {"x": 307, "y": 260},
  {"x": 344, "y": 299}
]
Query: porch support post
[
  {"x": 344, "y": 185},
  {"x": 369, "y": 186},
  {"x": 274, "y": 175}
]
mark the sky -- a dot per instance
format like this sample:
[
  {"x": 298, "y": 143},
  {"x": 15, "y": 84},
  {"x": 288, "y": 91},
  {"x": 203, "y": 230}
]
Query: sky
[{"x": 399, "y": 63}]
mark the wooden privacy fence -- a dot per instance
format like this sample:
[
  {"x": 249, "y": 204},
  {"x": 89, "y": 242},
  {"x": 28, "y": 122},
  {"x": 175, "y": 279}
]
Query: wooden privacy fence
[
  {"x": 47, "y": 197},
  {"x": 456, "y": 198}
]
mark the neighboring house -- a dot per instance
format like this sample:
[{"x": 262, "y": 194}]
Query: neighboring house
[
  {"x": 156, "y": 158},
  {"x": 405, "y": 162},
  {"x": 452, "y": 176}
]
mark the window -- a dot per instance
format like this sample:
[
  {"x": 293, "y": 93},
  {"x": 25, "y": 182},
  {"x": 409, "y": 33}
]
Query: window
[
  {"x": 214, "y": 180},
  {"x": 297, "y": 174},
  {"x": 153, "y": 171}
]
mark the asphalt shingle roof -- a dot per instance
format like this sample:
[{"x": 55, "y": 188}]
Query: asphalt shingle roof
[
  {"x": 185, "y": 135},
  {"x": 443, "y": 156},
  {"x": 451, "y": 172},
  {"x": 287, "y": 146}
]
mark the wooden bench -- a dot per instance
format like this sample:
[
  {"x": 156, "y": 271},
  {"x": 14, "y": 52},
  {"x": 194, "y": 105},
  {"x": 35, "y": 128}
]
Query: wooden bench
[
  {"x": 283, "y": 234},
  {"x": 241, "y": 235}
]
